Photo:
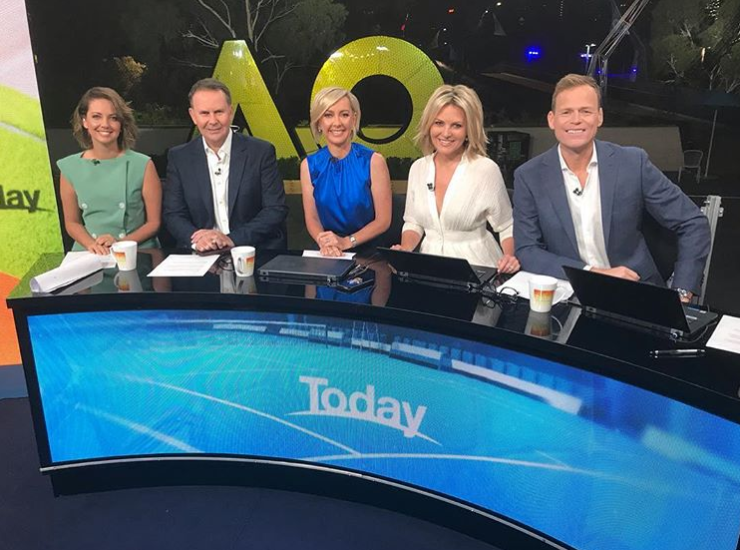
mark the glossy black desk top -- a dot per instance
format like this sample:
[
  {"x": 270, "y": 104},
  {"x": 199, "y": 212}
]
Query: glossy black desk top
[{"x": 589, "y": 343}]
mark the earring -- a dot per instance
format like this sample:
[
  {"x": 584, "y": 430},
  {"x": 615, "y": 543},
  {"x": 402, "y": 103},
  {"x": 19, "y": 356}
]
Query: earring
[{"x": 319, "y": 130}]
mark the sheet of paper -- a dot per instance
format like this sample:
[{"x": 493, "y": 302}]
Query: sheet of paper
[
  {"x": 520, "y": 283},
  {"x": 106, "y": 261},
  {"x": 727, "y": 335},
  {"x": 184, "y": 265},
  {"x": 317, "y": 254}
]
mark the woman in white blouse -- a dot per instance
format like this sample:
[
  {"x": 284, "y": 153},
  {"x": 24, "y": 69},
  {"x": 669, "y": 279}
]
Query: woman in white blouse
[{"x": 455, "y": 189}]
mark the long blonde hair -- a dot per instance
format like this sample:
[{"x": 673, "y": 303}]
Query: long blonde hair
[{"x": 465, "y": 98}]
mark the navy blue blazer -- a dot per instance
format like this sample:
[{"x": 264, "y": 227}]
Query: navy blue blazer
[
  {"x": 630, "y": 184},
  {"x": 257, "y": 208}
]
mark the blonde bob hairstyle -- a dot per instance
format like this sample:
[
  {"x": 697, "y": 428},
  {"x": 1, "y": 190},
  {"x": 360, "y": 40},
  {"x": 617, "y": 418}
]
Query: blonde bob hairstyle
[
  {"x": 129, "y": 131},
  {"x": 465, "y": 98},
  {"x": 322, "y": 102}
]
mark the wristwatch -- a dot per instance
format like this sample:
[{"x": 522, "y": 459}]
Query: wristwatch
[
  {"x": 684, "y": 294},
  {"x": 352, "y": 241}
]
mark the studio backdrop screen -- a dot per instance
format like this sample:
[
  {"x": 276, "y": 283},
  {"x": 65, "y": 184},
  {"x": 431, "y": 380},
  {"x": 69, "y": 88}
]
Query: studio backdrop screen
[{"x": 590, "y": 461}]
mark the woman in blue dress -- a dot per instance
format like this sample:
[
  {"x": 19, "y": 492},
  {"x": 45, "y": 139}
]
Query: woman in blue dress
[{"x": 346, "y": 186}]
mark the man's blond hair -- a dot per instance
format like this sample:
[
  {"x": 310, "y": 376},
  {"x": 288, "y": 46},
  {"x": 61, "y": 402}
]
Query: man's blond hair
[{"x": 574, "y": 81}]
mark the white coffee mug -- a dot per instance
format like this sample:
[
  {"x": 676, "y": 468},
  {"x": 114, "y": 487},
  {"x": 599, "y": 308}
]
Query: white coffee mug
[
  {"x": 543, "y": 291},
  {"x": 124, "y": 252},
  {"x": 243, "y": 260}
]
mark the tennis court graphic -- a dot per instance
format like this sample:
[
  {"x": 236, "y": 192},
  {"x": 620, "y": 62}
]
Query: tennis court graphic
[
  {"x": 29, "y": 223},
  {"x": 591, "y": 461}
]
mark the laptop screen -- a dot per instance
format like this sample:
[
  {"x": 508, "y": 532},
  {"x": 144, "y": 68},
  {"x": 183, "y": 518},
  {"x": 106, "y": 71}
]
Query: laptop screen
[
  {"x": 642, "y": 301},
  {"x": 429, "y": 265}
]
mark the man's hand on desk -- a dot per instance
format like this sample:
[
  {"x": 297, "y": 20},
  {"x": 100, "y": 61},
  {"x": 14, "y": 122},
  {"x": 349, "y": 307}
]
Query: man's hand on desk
[
  {"x": 620, "y": 272},
  {"x": 210, "y": 239}
]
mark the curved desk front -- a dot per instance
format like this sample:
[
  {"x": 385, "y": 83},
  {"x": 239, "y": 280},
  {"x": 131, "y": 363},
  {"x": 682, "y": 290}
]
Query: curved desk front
[{"x": 436, "y": 401}]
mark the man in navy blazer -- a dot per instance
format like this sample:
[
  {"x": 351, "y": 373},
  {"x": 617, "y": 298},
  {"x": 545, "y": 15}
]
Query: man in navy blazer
[
  {"x": 582, "y": 202},
  {"x": 223, "y": 189}
]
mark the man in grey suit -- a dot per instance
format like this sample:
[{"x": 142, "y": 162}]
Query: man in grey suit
[
  {"x": 223, "y": 189},
  {"x": 582, "y": 202}
]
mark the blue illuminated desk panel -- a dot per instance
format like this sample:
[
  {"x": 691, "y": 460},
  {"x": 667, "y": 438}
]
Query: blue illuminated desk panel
[{"x": 592, "y": 462}]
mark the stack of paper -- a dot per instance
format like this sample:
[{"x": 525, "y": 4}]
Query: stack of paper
[
  {"x": 67, "y": 273},
  {"x": 317, "y": 254}
]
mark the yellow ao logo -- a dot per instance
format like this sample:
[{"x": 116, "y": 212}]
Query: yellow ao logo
[{"x": 346, "y": 67}]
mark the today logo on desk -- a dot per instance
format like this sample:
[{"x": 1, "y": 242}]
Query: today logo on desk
[{"x": 325, "y": 400}]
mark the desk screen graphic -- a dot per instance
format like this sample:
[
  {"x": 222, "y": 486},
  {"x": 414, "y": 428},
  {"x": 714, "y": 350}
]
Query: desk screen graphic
[{"x": 590, "y": 461}]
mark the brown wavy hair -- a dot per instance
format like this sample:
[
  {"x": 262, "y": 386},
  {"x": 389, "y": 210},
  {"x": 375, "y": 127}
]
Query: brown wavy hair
[{"x": 129, "y": 130}]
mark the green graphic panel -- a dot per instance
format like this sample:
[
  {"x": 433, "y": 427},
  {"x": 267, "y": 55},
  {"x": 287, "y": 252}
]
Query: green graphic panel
[
  {"x": 29, "y": 223},
  {"x": 392, "y": 57},
  {"x": 237, "y": 68}
]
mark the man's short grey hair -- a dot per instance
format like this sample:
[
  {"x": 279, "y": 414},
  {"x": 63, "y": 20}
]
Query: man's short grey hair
[{"x": 209, "y": 84}]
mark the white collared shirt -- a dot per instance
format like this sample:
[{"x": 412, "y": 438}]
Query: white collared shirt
[
  {"x": 585, "y": 209},
  {"x": 218, "y": 169}
]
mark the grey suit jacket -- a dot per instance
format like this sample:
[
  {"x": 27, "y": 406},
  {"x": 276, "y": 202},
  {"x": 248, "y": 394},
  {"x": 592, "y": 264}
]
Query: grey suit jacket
[
  {"x": 257, "y": 208},
  {"x": 630, "y": 184}
]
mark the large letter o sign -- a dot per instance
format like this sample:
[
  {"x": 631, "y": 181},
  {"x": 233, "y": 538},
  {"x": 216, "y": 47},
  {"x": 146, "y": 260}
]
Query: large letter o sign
[{"x": 392, "y": 57}]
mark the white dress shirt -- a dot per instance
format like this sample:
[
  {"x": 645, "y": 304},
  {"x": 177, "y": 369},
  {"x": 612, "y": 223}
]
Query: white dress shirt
[
  {"x": 585, "y": 209},
  {"x": 218, "y": 169},
  {"x": 476, "y": 194}
]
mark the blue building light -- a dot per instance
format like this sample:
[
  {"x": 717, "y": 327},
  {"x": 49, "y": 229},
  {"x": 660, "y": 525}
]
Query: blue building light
[{"x": 533, "y": 53}]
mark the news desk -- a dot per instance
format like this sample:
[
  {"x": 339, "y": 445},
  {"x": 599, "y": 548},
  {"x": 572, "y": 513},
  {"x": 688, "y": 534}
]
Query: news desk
[{"x": 555, "y": 431}]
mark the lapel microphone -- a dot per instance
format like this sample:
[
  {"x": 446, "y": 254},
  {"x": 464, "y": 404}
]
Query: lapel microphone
[
  {"x": 95, "y": 162},
  {"x": 578, "y": 191},
  {"x": 218, "y": 171},
  {"x": 430, "y": 186}
]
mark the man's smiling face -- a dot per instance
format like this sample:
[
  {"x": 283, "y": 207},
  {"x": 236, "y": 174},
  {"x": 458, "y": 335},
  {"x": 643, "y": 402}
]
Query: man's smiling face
[{"x": 576, "y": 118}]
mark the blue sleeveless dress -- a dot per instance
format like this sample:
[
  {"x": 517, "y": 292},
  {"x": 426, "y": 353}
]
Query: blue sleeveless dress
[{"x": 341, "y": 189}]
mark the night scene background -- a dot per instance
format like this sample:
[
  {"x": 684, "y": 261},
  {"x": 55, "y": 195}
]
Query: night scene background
[{"x": 677, "y": 65}]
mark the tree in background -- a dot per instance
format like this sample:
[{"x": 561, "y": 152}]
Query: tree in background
[
  {"x": 305, "y": 36},
  {"x": 283, "y": 34},
  {"x": 696, "y": 43},
  {"x": 179, "y": 40}
]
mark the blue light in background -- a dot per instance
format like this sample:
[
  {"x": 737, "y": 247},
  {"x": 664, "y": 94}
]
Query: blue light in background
[{"x": 533, "y": 53}]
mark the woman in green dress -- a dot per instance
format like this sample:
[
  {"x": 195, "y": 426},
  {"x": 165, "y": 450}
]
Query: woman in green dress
[{"x": 109, "y": 192}]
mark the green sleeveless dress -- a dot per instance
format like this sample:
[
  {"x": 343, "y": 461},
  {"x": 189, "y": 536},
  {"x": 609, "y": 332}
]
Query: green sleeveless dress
[{"x": 109, "y": 194}]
